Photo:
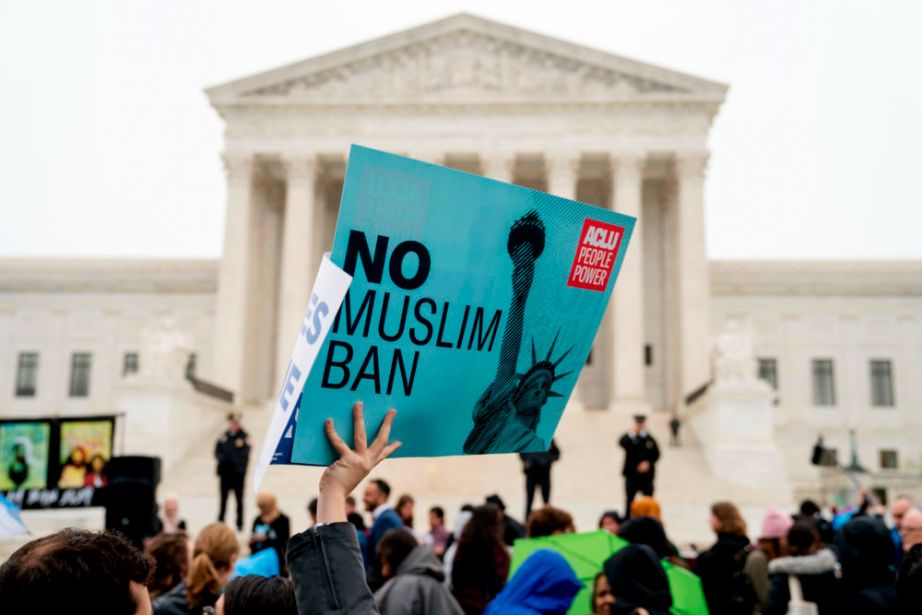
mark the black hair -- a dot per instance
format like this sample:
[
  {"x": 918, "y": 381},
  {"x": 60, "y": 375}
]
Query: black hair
[
  {"x": 263, "y": 595},
  {"x": 802, "y": 536},
  {"x": 382, "y": 486},
  {"x": 74, "y": 571},
  {"x": 394, "y": 547},
  {"x": 312, "y": 507},
  {"x": 467, "y": 508},
  {"x": 439, "y": 512},
  {"x": 611, "y": 514},
  {"x": 171, "y": 561},
  {"x": 808, "y": 508}
]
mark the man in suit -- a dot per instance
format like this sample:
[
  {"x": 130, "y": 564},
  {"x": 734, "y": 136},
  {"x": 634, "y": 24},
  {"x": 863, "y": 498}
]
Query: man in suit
[
  {"x": 640, "y": 456},
  {"x": 384, "y": 518}
]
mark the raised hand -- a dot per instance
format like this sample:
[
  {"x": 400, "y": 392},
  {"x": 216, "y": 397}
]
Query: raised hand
[{"x": 353, "y": 465}]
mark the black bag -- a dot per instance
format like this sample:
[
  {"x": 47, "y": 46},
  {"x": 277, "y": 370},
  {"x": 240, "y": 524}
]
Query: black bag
[{"x": 741, "y": 596}]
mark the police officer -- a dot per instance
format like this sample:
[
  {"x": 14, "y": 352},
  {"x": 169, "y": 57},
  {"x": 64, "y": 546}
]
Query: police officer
[
  {"x": 233, "y": 454},
  {"x": 640, "y": 456}
]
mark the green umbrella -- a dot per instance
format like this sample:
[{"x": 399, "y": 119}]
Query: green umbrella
[{"x": 587, "y": 552}]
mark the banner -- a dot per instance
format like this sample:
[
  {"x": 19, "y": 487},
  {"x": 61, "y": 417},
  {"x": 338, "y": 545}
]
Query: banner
[
  {"x": 473, "y": 306},
  {"x": 55, "y": 462}
]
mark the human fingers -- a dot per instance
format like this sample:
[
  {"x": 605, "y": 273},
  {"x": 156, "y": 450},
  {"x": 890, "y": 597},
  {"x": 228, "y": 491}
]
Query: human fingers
[
  {"x": 384, "y": 432},
  {"x": 360, "y": 439},
  {"x": 390, "y": 448},
  {"x": 338, "y": 444}
]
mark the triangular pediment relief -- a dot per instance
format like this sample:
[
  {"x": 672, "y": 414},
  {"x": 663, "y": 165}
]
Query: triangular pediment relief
[{"x": 464, "y": 59}]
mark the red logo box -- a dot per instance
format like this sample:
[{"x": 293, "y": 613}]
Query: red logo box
[{"x": 595, "y": 255}]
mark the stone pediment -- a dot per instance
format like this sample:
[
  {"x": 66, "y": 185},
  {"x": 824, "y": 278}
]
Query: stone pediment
[{"x": 465, "y": 59}]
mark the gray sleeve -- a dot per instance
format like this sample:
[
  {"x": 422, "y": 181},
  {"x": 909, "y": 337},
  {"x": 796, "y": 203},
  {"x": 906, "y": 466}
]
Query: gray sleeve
[
  {"x": 327, "y": 572},
  {"x": 756, "y": 568}
]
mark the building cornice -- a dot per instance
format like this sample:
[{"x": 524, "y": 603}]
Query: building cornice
[{"x": 817, "y": 278}]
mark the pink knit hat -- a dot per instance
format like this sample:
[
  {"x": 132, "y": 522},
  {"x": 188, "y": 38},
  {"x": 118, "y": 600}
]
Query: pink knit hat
[{"x": 775, "y": 524}]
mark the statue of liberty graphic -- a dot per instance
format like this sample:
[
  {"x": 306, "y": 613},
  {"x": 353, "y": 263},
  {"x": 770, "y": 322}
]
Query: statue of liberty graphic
[{"x": 507, "y": 413}]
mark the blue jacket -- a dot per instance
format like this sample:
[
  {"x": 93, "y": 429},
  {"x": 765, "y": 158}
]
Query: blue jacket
[
  {"x": 543, "y": 585},
  {"x": 388, "y": 520}
]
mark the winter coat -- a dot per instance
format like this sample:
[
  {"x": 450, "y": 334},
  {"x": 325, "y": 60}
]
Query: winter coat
[
  {"x": 176, "y": 602},
  {"x": 724, "y": 576},
  {"x": 638, "y": 448},
  {"x": 818, "y": 582},
  {"x": 866, "y": 554},
  {"x": 327, "y": 572},
  {"x": 637, "y": 580},
  {"x": 478, "y": 575},
  {"x": 545, "y": 583},
  {"x": 232, "y": 452},
  {"x": 418, "y": 588},
  {"x": 540, "y": 462}
]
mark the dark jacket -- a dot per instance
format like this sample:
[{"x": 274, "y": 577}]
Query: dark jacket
[
  {"x": 387, "y": 520},
  {"x": 277, "y": 534},
  {"x": 545, "y": 583},
  {"x": 327, "y": 572},
  {"x": 176, "y": 602},
  {"x": 418, "y": 587},
  {"x": 540, "y": 462},
  {"x": 818, "y": 582},
  {"x": 866, "y": 555},
  {"x": 638, "y": 448},
  {"x": 232, "y": 452},
  {"x": 478, "y": 575},
  {"x": 727, "y": 589},
  {"x": 637, "y": 580}
]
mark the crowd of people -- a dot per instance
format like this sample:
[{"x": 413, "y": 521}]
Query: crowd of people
[{"x": 847, "y": 562}]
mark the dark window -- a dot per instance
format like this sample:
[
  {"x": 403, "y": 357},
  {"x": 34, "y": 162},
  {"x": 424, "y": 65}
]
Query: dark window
[
  {"x": 824, "y": 387},
  {"x": 768, "y": 371},
  {"x": 889, "y": 460},
  {"x": 881, "y": 383},
  {"x": 130, "y": 364},
  {"x": 26, "y": 374},
  {"x": 80, "y": 364},
  {"x": 648, "y": 355},
  {"x": 191, "y": 366}
]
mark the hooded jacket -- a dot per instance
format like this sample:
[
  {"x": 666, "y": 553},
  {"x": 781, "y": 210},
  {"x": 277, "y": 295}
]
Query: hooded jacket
[
  {"x": 637, "y": 580},
  {"x": 545, "y": 584},
  {"x": 818, "y": 581},
  {"x": 417, "y": 588},
  {"x": 866, "y": 554}
]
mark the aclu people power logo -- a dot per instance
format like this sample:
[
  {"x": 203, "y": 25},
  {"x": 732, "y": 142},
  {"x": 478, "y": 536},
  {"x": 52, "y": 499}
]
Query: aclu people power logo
[{"x": 595, "y": 255}]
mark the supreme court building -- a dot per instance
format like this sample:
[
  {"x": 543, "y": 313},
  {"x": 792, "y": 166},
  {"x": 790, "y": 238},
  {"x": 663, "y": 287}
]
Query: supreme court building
[{"x": 836, "y": 346}]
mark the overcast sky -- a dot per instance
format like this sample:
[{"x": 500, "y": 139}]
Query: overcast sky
[{"x": 108, "y": 146}]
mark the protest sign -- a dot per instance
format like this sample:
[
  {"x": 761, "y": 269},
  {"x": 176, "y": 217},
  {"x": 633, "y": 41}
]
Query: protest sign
[
  {"x": 326, "y": 296},
  {"x": 473, "y": 306}
]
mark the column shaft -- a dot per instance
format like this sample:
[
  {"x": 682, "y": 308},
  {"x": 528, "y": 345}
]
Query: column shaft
[
  {"x": 498, "y": 166},
  {"x": 562, "y": 175}
]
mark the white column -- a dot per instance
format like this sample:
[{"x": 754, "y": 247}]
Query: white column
[
  {"x": 562, "y": 174},
  {"x": 693, "y": 279},
  {"x": 498, "y": 166},
  {"x": 233, "y": 281},
  {"x": 628, "y": 377},
  {"x": 297, "y": 255}
]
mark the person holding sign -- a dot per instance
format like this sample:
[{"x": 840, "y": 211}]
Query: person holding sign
[{"x": 640, "y": 456}]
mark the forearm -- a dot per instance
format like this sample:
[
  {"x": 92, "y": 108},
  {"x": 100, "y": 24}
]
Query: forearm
[{"x": 331, "y": 505}]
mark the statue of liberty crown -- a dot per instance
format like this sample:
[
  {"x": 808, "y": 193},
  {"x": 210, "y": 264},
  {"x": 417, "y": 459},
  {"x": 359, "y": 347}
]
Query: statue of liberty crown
[{"x": 546, "y": 366}]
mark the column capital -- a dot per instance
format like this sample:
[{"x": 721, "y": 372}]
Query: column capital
[
  {"x": 498, "y": 165},
  {"x": 693, "y": 163},
  {"x": 562, "y": 162},
  {"x": 238, "y": 165},
  {"x": 299, "y": 166},
  {"x": 628, "y": 162}
]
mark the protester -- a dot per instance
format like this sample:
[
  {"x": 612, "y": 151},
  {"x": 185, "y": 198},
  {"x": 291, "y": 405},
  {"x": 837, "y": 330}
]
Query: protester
[
  {"x": 548, "y": 521},
  {"x": 911, "y": 529},
  {"x": 866, "y": 554},
  {"x": 537, "y": 469},
  {"x": 255, "y": 595},
  {"x": 730, "y": 576},
  {"x": 909, "y": 582},
  {"x": 811, "y": 510},
  {"x": 901, "y": 505},
  {"x": 76, "y": 572},
  {"x": 169, "y": 518},
  {"x": 232, "y": 453},
  {"x": 650, "y": 531},
  {"x": 481, "y": 563},
  {"x": 383, "y": 519},
  {"x": 414, "y": 578},
  {"x": 271, "y": 529},
  {"x": 610, "y": 521},
  {"x": 645, "y": 506},
  {"x": 449, "y": 558},
  {"x": 213, "y": 557},
  {"x": 404, "y": 509},
  {"x": 171, "y": 558},
  {"x": 775, "y": 526},
  {"x": 807, "y": 567},
  {"x": 512, "y": 529},
  {"x": 640, "y": 456},
  {"x": 637, "y": 581},
  {"x": 544, "y": 584},
  {"x": 439, "y": 535},
  {"x": 331, "y": 549},
  {"x": 602, "y": 598}
]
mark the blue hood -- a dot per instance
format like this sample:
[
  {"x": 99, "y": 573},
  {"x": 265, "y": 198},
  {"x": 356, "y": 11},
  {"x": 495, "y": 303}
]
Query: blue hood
[{"x": 544, "y": 584}]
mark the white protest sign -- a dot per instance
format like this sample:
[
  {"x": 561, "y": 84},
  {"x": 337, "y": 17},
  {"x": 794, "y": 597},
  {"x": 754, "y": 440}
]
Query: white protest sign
[{"x": 327, "y": 295}]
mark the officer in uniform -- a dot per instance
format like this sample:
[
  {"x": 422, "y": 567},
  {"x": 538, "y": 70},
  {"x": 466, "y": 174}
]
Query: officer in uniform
[
  {"x": 233, "y": 454},
  {"x": 640, "y": 456}
]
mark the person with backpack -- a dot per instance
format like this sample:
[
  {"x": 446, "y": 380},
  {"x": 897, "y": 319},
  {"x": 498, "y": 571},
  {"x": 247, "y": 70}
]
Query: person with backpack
[{"x": 731, "y": 576}]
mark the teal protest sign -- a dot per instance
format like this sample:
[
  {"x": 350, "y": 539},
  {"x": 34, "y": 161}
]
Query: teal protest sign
[{"x": 472, "y": 308}]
